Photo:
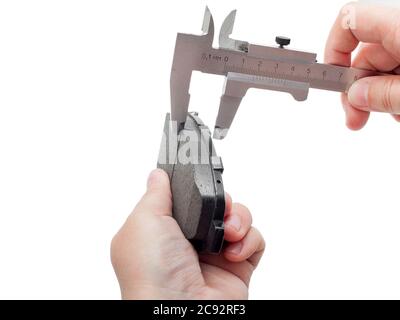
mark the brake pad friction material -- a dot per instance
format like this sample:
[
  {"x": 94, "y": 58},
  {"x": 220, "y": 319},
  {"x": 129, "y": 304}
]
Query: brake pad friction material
[{"x": 195, "y": 173}]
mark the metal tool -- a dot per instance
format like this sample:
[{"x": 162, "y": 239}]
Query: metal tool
[
  {"x": 246, "y": 66},
  {"x": 195, "y": 173}
]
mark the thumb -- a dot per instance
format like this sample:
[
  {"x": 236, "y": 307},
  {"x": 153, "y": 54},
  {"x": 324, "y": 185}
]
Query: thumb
[
  {"x": 158, "y": 198},
  {"x": 381, "y": 94}
]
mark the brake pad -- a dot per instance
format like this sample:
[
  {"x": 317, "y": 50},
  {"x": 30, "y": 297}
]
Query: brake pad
[{"x": 195, "y": 173}]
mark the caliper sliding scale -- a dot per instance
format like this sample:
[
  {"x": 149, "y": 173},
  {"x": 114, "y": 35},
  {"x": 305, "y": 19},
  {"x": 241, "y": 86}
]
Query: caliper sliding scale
[{"x": 246, "y": 66}]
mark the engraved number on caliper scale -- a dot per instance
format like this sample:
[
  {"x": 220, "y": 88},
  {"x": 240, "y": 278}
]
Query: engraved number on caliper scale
[
  {"x": 253, "y": 66},
  {"x": 246, "y": 66}
]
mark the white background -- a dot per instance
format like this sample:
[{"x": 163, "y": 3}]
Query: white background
[{"x": 84, "y": 86}]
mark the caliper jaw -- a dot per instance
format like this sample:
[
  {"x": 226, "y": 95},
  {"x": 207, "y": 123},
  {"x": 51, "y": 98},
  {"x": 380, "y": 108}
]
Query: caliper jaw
[
  {"x": 237, "y": 84},
  {"x": 186, "y": 51},
  {"x": 225, "y": 42},
  {"x": 236, "y": 87}
]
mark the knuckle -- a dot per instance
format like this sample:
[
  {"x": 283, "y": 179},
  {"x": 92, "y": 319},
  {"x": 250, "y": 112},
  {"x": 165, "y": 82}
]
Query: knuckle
[
  {"x": 391, "y": 34},
  {"x": 347, "y": 15},
  {"x": 244, "y": 211},
  {"x": 396, "y": 42},
  {"x": 347, "y": 6},
  {"x": 387, "y": 95},
  {"x": 243, "y": 207},
  {"x": 393, "y": 37},
  {"x": 259, "y": 239},
  {"x": 114, "y": 250}
]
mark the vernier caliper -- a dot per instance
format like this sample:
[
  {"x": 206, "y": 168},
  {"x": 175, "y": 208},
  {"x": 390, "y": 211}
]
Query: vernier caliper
[{"x": 246, "y": 66}]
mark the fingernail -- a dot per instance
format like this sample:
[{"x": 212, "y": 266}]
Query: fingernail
[
  {"x": 235, "y": 248},
  {"x": 234, "y": 222},
  {"x": 358, "y": 94}
]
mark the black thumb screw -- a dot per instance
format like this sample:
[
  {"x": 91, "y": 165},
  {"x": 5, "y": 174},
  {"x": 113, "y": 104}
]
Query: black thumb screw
[{"x": 282, "y": 41}]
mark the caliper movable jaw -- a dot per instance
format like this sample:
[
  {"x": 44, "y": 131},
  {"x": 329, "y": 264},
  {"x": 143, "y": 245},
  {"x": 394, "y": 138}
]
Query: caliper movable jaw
[
  {"x": 225, "y": 42},
  {"x": 236, "y": 87},
  {"x": 237, "y": 84}
]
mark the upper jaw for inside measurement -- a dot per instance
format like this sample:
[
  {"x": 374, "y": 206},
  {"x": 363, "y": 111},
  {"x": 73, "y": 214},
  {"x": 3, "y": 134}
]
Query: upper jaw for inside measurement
[
  {"x": 208, "y": 25},
  {"x": 225, "y": 42}
]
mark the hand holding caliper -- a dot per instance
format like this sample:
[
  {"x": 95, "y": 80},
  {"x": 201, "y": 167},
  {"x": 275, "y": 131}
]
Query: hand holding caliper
[
  {"x": 246, "y": 66},
  {"x": 378, "y": 28}
]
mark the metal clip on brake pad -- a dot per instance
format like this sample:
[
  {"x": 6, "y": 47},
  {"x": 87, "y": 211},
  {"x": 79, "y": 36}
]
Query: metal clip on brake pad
[{"x": 195, "y": 173}]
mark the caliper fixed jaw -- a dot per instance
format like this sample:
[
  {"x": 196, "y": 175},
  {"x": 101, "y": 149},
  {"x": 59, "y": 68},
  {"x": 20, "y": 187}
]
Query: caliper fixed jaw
[{"x": 186, "y": 50}]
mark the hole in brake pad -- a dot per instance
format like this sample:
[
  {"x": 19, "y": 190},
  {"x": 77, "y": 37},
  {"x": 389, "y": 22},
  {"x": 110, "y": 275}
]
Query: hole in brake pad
[{"x": 195, "y": 172}]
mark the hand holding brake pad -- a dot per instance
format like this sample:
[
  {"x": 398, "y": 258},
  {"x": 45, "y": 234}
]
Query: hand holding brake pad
[{"x": 195, "y": 173}]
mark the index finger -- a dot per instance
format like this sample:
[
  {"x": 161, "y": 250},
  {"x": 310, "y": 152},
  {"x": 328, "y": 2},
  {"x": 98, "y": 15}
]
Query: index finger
[{"x": 363, "y": 23}]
